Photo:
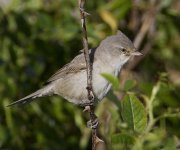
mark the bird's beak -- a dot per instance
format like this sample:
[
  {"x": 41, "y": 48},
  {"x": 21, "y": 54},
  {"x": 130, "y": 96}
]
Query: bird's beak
[{"x": 136, "y": 53}]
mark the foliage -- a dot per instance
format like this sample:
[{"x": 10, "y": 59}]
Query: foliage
[
  {"x": 135, "y": 132},
  {"x": 39, "y": 36}
]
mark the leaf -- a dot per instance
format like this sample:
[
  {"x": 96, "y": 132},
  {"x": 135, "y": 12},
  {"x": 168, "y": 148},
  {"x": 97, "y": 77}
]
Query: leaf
[
  {"x": 8, "y": 116},
  {"x": 122, "y": 138},
  {"x": 108, "y": 17},
  {"x": 170, "y": 143},
  {"x": 133, "y": 113},
  {"x": 113, "y": 80},
  {"x": 122, "y": 141},
  {"x": 113, "y": 97},
  {"x": 129, "y": 84}
]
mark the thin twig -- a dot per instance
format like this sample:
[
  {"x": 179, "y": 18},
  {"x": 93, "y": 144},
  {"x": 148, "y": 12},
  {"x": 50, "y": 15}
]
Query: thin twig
[
  {"x": 85, "y": 50},
  {"x": 89, "y": 70},
  {"x": 148, "y": 23},
  {"x": 146, "y": 26}
]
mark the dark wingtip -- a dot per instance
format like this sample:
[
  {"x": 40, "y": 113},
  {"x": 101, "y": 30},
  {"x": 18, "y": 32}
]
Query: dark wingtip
[
  {"x": 20, "y": 102},
  {"x": 9, "y": 105},
  {"x": 16, "y": 103}
]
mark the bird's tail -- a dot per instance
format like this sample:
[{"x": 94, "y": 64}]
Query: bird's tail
[{"x": 46, "y": 90}]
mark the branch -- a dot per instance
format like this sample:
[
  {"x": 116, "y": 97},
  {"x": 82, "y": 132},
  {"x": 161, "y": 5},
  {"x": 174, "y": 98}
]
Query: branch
[
  {"x": 91, "y": 98},
  {"x": 145, "y": 30},
  {"x": 86, "y": 50}
]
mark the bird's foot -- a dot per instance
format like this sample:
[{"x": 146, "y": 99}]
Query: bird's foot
[
  {"x": 88, "y": 104},
  {"x": 93, "y": 123},
  {"x": 83, "y": 11}
]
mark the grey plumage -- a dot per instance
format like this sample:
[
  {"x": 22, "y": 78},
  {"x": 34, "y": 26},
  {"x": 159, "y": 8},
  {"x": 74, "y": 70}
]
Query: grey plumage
[{"x": 70, "y": 81}]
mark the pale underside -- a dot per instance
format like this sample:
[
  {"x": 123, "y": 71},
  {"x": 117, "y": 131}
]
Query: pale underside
[{"x": 71, "y": 80}]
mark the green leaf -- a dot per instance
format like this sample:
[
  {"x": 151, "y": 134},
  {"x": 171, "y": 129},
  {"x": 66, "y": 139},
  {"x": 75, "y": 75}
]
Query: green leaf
[
  {"x": 122, "y": 138},
  {"x": 111, "y": 96},
  {"x": 129, "y": 84},
  {"x": 8, "y": 116},
  {"x": 122, "y": 141},
  {"x": 133, "y": 113},
  {"x": 170, "y": 144},
  {"x": 113, "y": 80}
]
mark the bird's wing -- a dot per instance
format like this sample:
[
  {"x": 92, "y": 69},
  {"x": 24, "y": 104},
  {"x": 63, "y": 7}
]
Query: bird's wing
[{"x": 76, "y": 65}]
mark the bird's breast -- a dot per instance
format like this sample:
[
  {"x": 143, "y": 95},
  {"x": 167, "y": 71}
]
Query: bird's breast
[
  {"x": 73, "y": 86},
  {"x": 100, "y": 85}
]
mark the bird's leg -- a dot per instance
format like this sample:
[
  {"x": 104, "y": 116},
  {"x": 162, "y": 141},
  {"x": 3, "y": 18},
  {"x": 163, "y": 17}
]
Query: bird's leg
[
  {"x": 93, "y": 123},
  {"x": 83, "y": 11},
  {"x": 87, "y": 105}
]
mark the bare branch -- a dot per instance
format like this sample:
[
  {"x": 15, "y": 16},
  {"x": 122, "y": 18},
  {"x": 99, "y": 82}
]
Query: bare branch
[
  {"x": 85, "y": 50},
  {"x": 89, "y": 68},
  {"x": 147, "y": 25}
]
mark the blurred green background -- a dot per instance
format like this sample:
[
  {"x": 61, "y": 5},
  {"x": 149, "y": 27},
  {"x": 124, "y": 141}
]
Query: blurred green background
[{"x": 37, "y": 37}]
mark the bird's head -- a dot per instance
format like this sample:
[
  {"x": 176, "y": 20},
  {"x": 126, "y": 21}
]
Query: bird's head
[
  {"x": 120, "y": 47},
  {"x": 122, "y": 43}
]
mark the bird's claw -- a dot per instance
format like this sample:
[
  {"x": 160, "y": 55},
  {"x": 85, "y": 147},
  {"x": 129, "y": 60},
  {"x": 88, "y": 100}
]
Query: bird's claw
[
  {"x": 83, "y": 11},
  {"x": 92, "y": 124},
  {"x": 88, "y": 104}
]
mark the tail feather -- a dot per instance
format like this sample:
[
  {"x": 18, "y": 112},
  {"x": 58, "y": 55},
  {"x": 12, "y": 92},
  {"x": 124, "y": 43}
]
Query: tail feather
[{"x": 47, "y": 90}]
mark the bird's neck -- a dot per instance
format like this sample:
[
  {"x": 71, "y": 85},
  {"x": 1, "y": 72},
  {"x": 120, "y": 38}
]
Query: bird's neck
[
  {"x": 112, "y": 66},
  {"x": 112, "y": 63}
]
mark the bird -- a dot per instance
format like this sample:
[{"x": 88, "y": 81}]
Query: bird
[{"x": 70, "y": 82}]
